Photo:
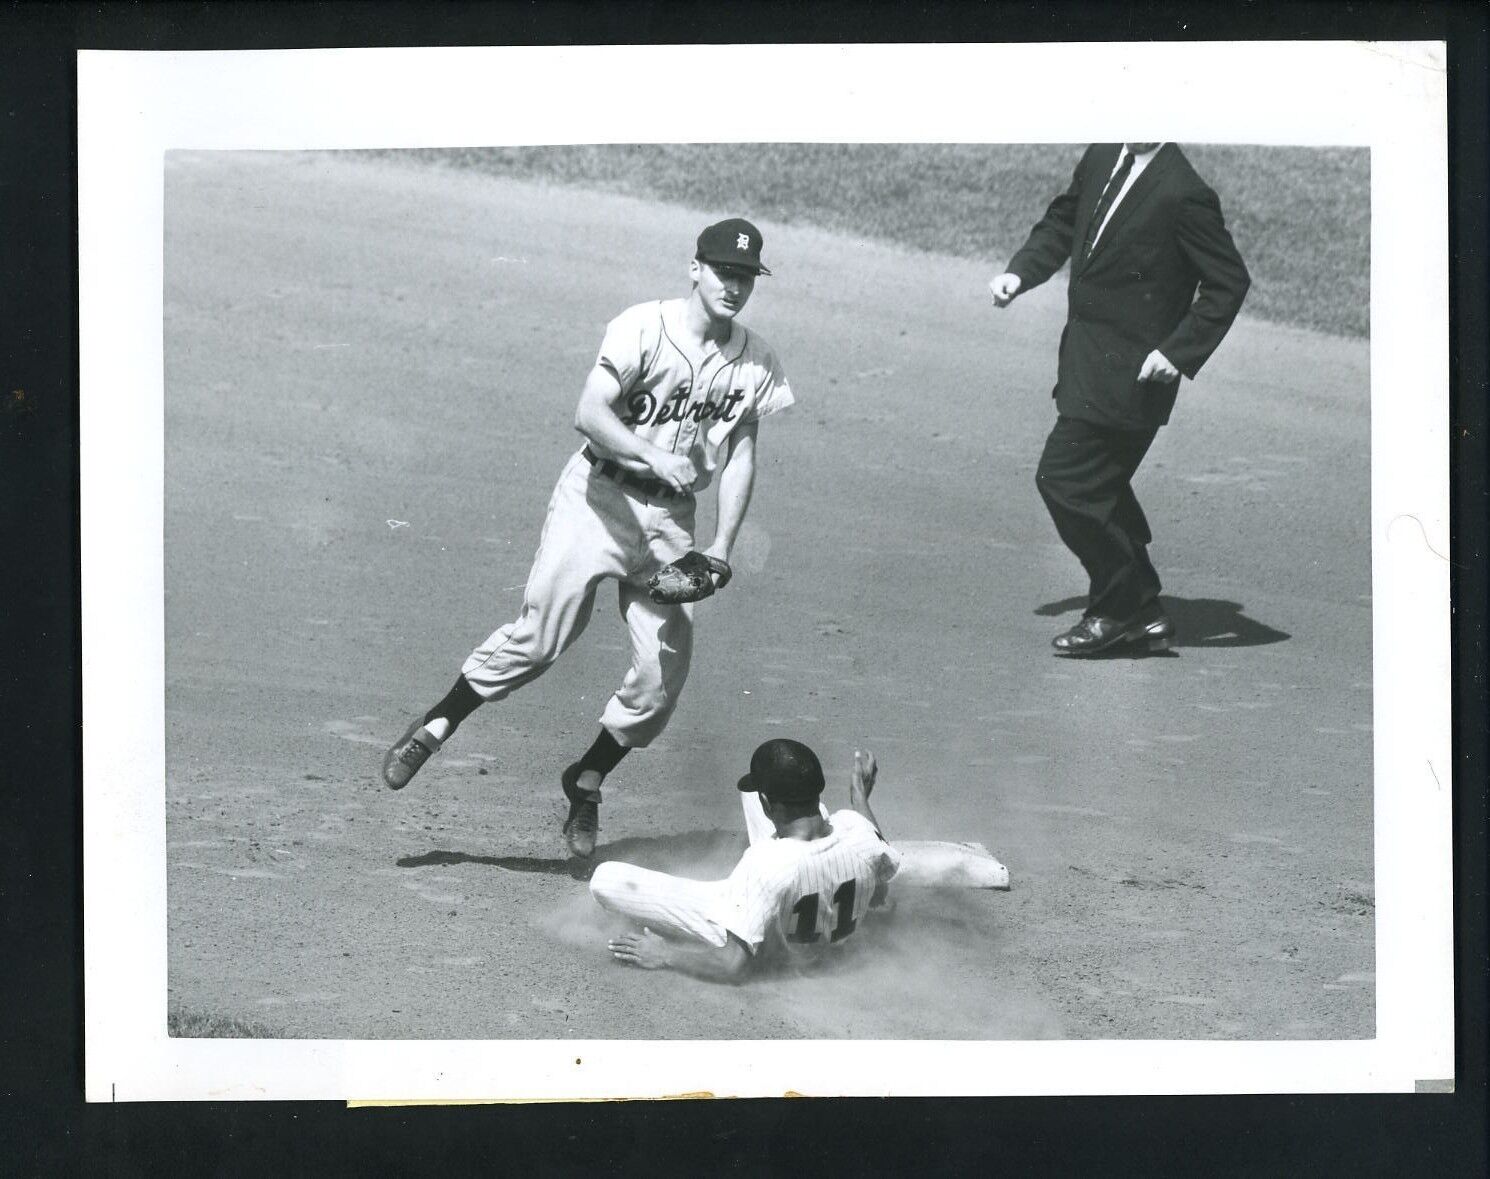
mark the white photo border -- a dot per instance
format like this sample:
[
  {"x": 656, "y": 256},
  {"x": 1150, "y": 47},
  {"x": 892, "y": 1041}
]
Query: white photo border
[{"x": 135, "y": 106}]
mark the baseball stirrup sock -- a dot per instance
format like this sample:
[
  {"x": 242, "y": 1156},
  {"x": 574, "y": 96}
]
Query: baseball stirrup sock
[
  {"x": 458, "y": 704},
  {"x": 604, "y": 755}
]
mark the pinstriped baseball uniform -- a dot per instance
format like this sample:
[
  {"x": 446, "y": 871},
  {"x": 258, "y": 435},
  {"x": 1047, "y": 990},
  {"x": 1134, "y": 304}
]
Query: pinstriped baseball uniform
[
  {"x": 684, "y": 401},
  {"x": 796, "y": 895}
]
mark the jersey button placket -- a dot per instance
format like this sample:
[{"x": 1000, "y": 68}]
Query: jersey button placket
[
  {"x": 691, "y": 425},
  {"x": 683, "y": 439}
]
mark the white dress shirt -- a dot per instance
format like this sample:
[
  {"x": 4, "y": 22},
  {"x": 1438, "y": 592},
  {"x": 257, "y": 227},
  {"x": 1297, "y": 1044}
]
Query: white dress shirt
[{"x": 1140, "y": 162}]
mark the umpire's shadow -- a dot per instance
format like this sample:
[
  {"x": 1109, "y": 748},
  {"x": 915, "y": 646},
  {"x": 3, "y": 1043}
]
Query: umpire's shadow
[
  {"x": 699, "y": 854},
  {"x": 1198, "y": 622}
]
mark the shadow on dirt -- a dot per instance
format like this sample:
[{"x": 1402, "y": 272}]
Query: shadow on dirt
[
  {"x": 1198, "y": 622},
  {"x": 576, "y": 868},
  {"x": 704, "y": 854},
  {"x": 701, "y": 854}
]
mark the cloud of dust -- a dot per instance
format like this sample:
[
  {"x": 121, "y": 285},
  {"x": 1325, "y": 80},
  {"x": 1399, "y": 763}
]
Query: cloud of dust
[
  {"x": 579, "y": 922},
  {"x": 930, "y": 969}
]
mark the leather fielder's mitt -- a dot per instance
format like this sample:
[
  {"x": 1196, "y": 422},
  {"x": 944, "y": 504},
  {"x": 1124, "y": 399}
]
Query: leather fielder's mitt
[{"x": 691, "y": 578}]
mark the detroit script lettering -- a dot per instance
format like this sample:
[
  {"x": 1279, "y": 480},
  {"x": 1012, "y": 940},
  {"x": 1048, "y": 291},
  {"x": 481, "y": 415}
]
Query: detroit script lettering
[{"x": 643, "y": 408}]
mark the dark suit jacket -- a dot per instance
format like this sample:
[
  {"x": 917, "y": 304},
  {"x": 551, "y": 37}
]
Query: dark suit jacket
[{"x": 1164, "y": 274}]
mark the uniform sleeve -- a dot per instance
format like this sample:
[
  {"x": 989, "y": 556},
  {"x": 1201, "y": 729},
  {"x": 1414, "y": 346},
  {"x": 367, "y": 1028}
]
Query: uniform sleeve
[
  {"x": 882, "y": 854},
  {"x": 888, "y": 864},
  {"x": 754, "y": 893},
  {"x": 624, "y": 349},
  {"x": 772, "y": 394}
]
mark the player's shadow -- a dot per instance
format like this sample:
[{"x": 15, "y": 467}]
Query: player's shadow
[
  {"x": 700, "y": 854},
  {"x": 573, "y": 867},
  {"x": 1198, "y": 622}
]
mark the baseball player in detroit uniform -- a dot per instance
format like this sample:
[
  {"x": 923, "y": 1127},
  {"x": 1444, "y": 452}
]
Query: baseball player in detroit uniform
[
  {"x": 804, "y": 883},
  {"x": 673, "y": 402}
]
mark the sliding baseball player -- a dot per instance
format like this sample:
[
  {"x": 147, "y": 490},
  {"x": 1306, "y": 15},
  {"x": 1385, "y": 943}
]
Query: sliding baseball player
[{"x": 803, "y": 885}]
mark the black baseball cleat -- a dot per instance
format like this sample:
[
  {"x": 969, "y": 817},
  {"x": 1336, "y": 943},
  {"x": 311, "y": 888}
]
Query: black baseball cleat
[
  {"x": 583, "y": 822},
  {"x": 407, "y": 754}
]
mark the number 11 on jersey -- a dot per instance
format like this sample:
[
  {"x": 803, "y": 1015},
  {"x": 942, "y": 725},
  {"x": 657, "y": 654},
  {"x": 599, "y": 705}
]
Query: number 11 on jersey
[{"x": 807, "y": 928}]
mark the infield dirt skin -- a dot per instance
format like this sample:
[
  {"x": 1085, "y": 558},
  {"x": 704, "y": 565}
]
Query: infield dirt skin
[{"x": 371, "y": 373}]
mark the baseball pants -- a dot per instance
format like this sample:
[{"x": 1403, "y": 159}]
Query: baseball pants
[
  {"x": 597, "y": 529},
  {"x": 1085, "y": 478},
  {"x": 673, "y": 905}
]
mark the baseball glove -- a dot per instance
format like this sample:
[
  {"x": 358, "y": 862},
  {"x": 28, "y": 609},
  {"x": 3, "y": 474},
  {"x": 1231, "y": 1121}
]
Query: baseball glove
[{"x": 691, "y": 578}]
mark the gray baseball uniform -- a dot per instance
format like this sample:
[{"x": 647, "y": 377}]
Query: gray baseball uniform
[{"x": 600, "y": 524}]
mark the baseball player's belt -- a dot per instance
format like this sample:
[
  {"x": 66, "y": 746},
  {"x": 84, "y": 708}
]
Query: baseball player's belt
[{"x": 648, "y": 487}]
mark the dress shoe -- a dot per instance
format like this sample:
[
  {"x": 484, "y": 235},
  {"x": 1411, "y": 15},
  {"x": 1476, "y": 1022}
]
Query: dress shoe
[
  {"x": 1091, "y": 635},
  {"x": 1149, "y": 631},
  {"x": 1152, "y": 628}
]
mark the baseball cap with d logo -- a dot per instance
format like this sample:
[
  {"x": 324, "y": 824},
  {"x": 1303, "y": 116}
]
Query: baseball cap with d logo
[
  {"x": 785, "y": 771},
  {"x": 734, "y": 242}
]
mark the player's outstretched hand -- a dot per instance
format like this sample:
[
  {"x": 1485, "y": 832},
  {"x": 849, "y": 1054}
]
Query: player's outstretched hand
[
  {"x": 644, "y": 949},
  {"x": 864, "y": 773}
]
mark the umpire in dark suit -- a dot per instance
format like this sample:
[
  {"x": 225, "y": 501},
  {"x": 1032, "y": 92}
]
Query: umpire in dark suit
[{"x": 1155, "y": 283}]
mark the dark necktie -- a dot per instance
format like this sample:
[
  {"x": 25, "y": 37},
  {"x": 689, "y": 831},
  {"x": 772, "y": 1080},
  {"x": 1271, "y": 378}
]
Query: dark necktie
[{"x": 1104, "y": 204}]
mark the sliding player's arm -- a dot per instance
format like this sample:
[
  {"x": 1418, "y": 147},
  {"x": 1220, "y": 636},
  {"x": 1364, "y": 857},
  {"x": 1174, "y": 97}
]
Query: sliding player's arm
[
  {"x": 646, "y": 949},
  {"x": 861, "y": 783}
]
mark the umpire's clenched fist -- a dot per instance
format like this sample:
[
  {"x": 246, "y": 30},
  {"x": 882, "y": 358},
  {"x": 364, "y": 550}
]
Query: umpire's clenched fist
[{"x": 1004, "y": 288}]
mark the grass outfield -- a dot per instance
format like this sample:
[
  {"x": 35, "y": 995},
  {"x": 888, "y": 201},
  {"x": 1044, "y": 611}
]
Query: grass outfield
[
  {"x": 1300, "y": 216},
  {"x": 200, "y": 1025}
]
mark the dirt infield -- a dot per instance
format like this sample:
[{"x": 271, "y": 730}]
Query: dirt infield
[{"x": 371, "y": 373}]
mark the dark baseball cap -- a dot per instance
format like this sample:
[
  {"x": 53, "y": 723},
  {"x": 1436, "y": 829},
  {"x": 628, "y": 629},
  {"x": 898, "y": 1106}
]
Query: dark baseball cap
[
  {"x": 734, "y": 242},
  {"x": 784, "y": 770}
]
